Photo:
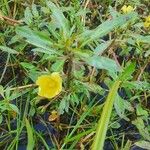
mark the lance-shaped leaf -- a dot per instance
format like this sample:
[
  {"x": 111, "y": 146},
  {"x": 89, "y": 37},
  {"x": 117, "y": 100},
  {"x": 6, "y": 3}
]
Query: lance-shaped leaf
[
  {"x": 8, "y": 50},
  {"x": 141, "y": 38},
  {"x": 59, "y": 17},
  {"x": 101, "y": 62},
  {"x": 106, "y": 27},
  {"x": 37, "y": 38},
  {"x": 31, "y": 141},
  {"x": 102, "y": 47}
]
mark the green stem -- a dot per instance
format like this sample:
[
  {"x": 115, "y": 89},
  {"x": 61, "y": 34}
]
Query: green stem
[
  {"x": 69, "y": 71},
  {"x": 105, "y": 117}
]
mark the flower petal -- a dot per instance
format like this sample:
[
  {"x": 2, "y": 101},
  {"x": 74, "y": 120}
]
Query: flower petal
[{"x": 49, "y": 85}]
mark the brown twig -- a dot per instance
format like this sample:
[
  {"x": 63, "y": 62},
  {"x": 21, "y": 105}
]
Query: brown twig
[
  {"x": 141, "y": 72},
  {"x": 10, "y": 20}
]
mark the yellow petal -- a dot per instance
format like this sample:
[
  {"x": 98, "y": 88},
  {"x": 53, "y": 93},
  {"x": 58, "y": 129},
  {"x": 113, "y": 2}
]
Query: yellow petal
[
  {"x": 49, "y": 85},
  {"x": 147, "y": 19},
  {"x": 127, "y": 9},
  {"x": 124, "y": 9},
  {"x": 147, "y": 22}
]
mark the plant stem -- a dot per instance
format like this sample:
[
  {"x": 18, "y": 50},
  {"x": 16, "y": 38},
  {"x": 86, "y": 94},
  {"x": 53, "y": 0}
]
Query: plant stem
[
  {"x": 69, "y": 71},
  {"x": 22, "y": 87},
  {"x": 105, "y": 117}
]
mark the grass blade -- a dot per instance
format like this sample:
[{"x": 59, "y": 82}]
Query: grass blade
[
  {"x": 30, "y": 144},
  {"x": 8, "y": 50},
  {"x": 105, "y": 117}
]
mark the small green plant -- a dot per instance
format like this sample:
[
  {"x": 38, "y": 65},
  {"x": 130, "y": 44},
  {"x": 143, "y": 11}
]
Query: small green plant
[{"x": 72, "y": 72}]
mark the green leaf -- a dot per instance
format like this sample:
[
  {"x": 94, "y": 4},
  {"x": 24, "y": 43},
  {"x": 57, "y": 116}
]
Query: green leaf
[
  {"x": 28, "y": 16},
  {"x": 28, "y": 66},
  {"x": 113, "y": 12},
  {"x": 101, "y": 62},
  {"x": 115, "y": 125},
  {"x": 143, "y": 144},
  {"x": 138, "y": 85},
  {"x": 3, "y": 106},
  {"x": 34, "y": 11},
  {"x": 141, "y": 38},
  {"x": 14, "y": 108},
  {"x": 122, "y": 105},
  {"x": 139, "y": 123},
  {"x": 74, "y": 98},
  {"x": 49, "y": 51},
  {"x": 64, "y": 105},
  {"x": 1, "y": 118},
  {"x": 105, "y": 117},
  {"x": 106, "y": 27},
  {"x": 31, "y": 141},
  {"x": 58, "y": 66},
  {"x": 16, "y": 94},
  {"x": 127, "y": 145},
  {"x": 147, "y": 53},
  {"x": 101, "y": 47},
  {"x": 33, "y": 75},
  {"x": 2, "y": 91},
  {"x": 8, "y": 50},
  {"x": 58, "y": 17},
  {"x": 37, "y": 38},
  {"x": 141, "y": 112},
  {"x": 127, "y": 72},
  {"x": 93, "y": 87}
]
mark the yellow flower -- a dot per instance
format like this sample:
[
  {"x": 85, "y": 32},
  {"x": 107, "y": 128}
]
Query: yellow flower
[
  {"x": 147, "y": 22},
  {"x": 49, "y": 85},
  {"x": 127, "y": 9}
]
